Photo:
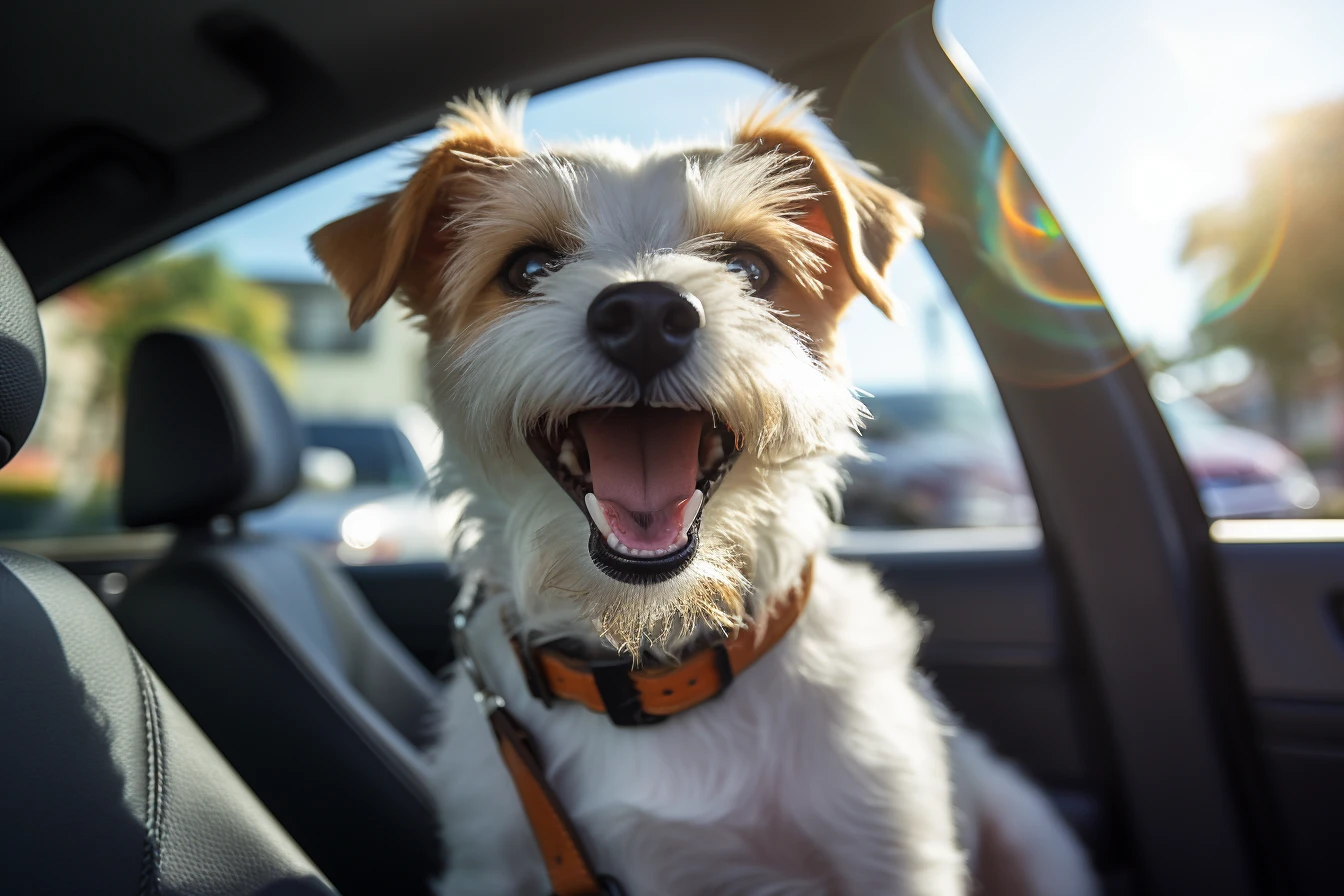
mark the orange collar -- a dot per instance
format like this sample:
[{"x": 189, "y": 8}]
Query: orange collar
[{"x": 649, "y": 695}]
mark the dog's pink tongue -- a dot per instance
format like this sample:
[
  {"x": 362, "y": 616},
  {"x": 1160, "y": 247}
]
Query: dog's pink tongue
[{"x": 645, "y": 462}]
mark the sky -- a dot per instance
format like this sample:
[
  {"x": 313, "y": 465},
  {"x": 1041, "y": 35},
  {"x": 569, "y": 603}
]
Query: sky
[{"x": 1130, "y": 116}]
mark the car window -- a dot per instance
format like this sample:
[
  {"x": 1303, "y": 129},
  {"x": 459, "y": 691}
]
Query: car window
[
  {"x": 940, "y": 450},
  {"x": 1191, "y": 151}
]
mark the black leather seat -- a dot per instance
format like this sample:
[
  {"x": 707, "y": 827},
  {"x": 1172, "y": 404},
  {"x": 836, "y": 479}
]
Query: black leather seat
[
  {"x": 108, "y": 786},
  {"x": 268, "y": 644}
]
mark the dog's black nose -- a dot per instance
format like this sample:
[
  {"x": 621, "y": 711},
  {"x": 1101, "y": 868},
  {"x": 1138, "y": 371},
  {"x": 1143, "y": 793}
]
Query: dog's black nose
[{"x": 645, "y": 327}]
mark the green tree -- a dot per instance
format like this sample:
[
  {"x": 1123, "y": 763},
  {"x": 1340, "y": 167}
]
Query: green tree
[
  {"x": 1280, "y": 292},
  {"x": 191, "y": 292}
]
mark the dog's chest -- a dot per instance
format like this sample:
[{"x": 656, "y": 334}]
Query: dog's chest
[
  {"x": 769, "y": 788},
  {"x": 700, "y": 808}
]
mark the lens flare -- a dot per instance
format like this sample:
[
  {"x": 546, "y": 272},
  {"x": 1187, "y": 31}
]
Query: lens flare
[
  {"x": 1235, "y": 287},
  {"x": 1035, "y": 311},
  {"x": 1052, "y": 302},
  {"x": 1022, "y": 238}
]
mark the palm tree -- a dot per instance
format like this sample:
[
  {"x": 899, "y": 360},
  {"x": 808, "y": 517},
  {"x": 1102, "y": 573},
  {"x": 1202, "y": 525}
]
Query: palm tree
[{"x": 1280, "y": 292}]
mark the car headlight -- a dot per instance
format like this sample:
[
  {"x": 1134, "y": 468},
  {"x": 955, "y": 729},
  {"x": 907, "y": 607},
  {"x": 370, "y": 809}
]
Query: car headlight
[
  {"x": 362, "y": 527},
  {"x": 1301, "y": 490}
]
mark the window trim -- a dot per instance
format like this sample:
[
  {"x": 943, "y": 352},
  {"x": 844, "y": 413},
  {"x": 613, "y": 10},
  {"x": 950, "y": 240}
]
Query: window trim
[{"x": 1122, "y": 522}]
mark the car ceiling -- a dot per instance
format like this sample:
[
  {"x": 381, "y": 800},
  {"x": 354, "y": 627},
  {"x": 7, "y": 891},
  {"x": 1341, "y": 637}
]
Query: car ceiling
[{"x": 129, "y": 122}]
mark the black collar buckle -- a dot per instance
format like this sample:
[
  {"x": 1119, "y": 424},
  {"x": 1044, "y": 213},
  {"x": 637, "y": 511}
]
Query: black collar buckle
[{"x": 619, "y": 695}]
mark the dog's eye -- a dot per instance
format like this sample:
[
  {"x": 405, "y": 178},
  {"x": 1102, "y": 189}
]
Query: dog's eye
[
  {"x": 528, "y": 266},
  {"x": 752, "y": 264}
]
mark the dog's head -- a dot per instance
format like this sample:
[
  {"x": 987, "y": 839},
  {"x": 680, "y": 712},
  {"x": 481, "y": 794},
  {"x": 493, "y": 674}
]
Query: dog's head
[{"x": 634, "y": 353}]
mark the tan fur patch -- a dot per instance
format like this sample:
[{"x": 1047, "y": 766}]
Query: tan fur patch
[
  {"x": 399, "y": 242},
  {"x": 818, "y": 314},
  {"x": 866, "y": 220}
]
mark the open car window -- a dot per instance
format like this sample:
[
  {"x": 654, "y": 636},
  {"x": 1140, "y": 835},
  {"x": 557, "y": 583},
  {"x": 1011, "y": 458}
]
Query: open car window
[{"x": 941, "y": 453}]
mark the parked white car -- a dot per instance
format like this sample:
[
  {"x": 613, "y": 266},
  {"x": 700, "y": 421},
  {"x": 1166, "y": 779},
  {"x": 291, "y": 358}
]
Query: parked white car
[{"x": 365, "y": 493}]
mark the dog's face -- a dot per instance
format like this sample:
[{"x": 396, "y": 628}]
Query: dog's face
[{"x": 633, "y": 353}]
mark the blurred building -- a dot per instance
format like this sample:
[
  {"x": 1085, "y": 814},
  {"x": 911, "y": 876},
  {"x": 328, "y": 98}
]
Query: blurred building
[{"x": 338, "y": 373}]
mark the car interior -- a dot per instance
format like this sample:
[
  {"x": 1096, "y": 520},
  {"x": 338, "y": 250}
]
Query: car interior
[
  {"x": 279, "y": 658},
  {"x": 195, "y": 709},
  {"x": 112, "y": 788}
]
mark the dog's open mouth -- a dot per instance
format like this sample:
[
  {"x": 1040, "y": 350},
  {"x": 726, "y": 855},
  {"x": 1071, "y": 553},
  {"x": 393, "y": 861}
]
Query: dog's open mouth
[{"x": 642, "y": 476}]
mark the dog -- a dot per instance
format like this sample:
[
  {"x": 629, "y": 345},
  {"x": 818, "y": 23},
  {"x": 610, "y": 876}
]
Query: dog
[{"x": 635, "y": 363}]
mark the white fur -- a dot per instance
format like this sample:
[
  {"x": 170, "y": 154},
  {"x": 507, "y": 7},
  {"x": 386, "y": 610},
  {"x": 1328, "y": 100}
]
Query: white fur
[
  {"x": 821, "y": 770},
  {"x": 824, "y": 768}
]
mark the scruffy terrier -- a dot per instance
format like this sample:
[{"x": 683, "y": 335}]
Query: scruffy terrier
[{"x": 636, "y": 369}]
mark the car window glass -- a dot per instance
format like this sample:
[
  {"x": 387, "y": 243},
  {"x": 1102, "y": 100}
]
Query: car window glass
[
  {"x": 1191, "y": 149},
  {"x": 941, "y": 454},
  {"x": 941, "y": 451}
]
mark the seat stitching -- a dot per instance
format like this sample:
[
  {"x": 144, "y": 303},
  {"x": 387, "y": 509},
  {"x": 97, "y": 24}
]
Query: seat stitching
[{"x": 150, "y": 862}]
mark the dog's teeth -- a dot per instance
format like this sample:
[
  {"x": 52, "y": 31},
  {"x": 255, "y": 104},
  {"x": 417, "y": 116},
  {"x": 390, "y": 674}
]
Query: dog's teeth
[
  {"x": 594, "y": 508},
  {"x": 692, "y": 508},
  {"x": 568, "y": 458},
  {"x": 599, "y": 518}
]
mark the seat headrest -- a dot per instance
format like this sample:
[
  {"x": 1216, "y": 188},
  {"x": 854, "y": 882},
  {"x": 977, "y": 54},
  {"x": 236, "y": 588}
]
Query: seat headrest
[
  {"x": 23, "y": 360},
  {"x": 207, "y": 433}
]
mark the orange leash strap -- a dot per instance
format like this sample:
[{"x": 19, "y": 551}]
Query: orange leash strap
[{"x": 567, "y": 865}]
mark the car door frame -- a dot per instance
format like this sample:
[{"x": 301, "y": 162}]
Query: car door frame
[{"x": 1124, "y": 529}]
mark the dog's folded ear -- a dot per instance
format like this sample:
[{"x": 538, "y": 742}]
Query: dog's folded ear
[
  {"x": 399, "y": 242},
  {"x": 866, "y": 220}
]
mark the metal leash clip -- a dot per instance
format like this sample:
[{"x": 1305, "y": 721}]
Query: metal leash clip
[{"x": 464, "y": 607}]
